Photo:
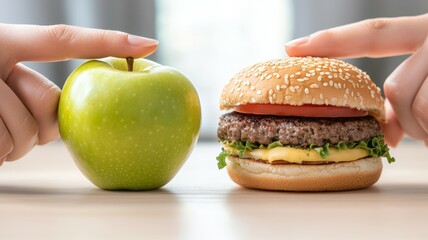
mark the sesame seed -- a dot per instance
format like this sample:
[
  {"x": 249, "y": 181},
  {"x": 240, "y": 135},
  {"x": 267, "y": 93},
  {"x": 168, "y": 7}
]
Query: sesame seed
[
  {"x": 268, "y": 77},
  {"x": 314, "y": 85},
  {"x": 287, "y": 98},
  {"x": 277, "y": 87},
  {"x": 325, "y": 84},
  {"x": 298, "y": 73},
  {"x": 321, "y": 96},
  {"x": 241, "y": 94},
  {"x": 252, "y": 88},
  {"x": 292, "y": 89},
  {"x": 308, "y": 74},
  {"x": 331, "y": 83},
  {"x": 306, "y": 90},
  {"x": 232, "y": 90},
  {"x": 259, "y": 92},
  {"x": 286, "y": 79},
  {"x": 319, "y": 78},
  {"x": 271, "y": 91},
  {"x": 253, "y": 100},
  {"x": 283, "y": 87}
]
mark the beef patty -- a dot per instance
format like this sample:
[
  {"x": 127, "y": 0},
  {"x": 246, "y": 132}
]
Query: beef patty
[{"x": 295, "y": 131}]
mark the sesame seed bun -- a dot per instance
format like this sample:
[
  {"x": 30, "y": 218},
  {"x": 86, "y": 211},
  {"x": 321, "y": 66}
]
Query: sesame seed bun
[
  {"x": 304, "y": 80},
  {"x": 295, "y": 177}
]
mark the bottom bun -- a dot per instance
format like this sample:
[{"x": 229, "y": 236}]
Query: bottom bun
[{"x": 305, "y": 178}]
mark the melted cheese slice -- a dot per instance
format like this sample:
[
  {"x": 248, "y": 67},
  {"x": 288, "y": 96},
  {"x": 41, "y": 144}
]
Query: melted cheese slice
[{"x": 296, "y": 155}]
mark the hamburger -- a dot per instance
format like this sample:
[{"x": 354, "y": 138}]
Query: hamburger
[{"x": 302, "y": 124}]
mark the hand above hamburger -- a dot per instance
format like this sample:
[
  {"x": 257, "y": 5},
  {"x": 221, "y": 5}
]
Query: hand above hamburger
[{"x": 406, "y": 89}]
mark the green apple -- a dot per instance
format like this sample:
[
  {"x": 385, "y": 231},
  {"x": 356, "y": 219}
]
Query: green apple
[{"x": 129, "y": 130}]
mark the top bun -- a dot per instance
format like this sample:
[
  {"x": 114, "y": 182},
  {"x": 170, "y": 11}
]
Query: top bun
[{"x": 304, "y": 80}]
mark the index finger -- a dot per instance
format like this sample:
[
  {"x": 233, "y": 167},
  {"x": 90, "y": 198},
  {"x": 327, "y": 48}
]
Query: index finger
[
  {"x": 62, "y": 42},
  {"x": 379, "y": 37}
]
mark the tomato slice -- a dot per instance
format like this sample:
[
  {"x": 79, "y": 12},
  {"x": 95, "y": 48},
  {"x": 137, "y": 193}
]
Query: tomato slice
[{"x": 306, "y": 110}]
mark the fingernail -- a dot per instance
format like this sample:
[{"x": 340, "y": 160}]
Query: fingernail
[
  {"x": 297, "y": 42},
  {"x": 141, "y": 41}
]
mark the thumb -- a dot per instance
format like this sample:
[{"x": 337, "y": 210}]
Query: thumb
[{"x": 392, "y": 129}]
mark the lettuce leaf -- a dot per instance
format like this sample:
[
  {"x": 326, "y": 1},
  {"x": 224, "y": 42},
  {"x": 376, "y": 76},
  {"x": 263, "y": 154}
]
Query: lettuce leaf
[
  {"x": 221, "y": 158},
  {"x": 375, "y": 146}
]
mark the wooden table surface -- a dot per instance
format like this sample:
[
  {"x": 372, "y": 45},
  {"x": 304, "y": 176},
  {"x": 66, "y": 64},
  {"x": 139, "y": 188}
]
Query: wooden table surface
[{"x": 44, "y": 196}]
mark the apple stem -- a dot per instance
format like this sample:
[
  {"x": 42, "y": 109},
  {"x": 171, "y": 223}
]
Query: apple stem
[{"x": 130, "y": 62}]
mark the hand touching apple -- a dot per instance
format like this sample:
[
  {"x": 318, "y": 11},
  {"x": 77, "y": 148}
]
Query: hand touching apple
[
  {"x": 29, "y": 101},
  {"x": 406, "y": 88}
]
